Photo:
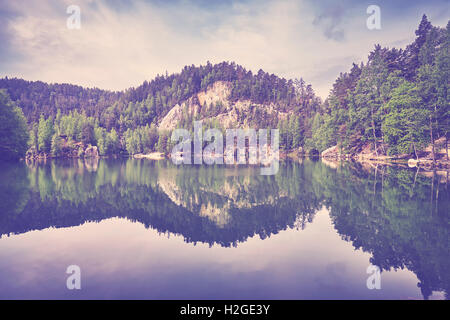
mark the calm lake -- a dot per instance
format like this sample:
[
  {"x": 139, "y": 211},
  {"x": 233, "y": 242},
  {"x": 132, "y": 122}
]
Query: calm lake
[{"x": 141, "y": 229}]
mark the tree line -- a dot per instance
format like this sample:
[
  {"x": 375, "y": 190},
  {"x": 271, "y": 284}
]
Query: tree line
[
  {"x": 61, "y": 115},
  {"x": 397, "y": 101}
]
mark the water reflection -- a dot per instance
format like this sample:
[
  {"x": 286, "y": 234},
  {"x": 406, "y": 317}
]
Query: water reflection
[{"x": 400, "y": 217}]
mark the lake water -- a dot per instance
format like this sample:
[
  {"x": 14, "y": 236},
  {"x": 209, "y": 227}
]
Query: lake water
[{"x": 152, "y": 230}]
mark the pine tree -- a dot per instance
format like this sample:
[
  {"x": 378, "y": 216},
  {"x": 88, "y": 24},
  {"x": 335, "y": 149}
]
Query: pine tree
[
  {"x": 406, "y": 121},
  {"x": 57, "y": 145},
  {"x": 45, "y": 134},
  {"x": 13, "y": 129}
]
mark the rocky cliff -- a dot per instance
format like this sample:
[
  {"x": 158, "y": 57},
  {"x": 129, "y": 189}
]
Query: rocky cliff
[{"x": 215, "y": 105}]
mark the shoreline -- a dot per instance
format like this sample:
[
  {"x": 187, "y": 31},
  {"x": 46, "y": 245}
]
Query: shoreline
[{"x": 421, "y": 163}]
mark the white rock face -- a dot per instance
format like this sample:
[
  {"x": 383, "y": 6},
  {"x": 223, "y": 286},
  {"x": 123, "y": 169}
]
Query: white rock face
[
  {"x": 218, "y": 92},
  {"x": 238, "y": 192},
  {"x": 235, "y": 114},
  {"x": 169, "y": 122}
]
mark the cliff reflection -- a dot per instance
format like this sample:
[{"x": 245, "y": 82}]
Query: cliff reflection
[{"x": 208, "y": 204}]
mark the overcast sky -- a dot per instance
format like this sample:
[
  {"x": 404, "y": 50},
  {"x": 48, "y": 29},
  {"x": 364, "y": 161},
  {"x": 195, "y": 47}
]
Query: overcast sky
[{"x": 122, "y": 43}]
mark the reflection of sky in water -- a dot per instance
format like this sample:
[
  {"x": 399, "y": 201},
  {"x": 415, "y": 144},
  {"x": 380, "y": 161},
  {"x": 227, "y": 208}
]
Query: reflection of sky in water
[{"x": 121, "y": 259}]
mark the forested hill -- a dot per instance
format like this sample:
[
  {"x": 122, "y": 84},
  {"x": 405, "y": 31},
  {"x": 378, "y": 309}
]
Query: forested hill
[
  {"x": 395, "y": 103},
  {"x": 131, "y": 121},
  {"x": 152, "y": 100},
  {"x": 37, "y": 97}
]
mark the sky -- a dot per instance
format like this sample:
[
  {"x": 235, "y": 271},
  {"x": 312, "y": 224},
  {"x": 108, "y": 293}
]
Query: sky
[{"x": 121, "y": 43}]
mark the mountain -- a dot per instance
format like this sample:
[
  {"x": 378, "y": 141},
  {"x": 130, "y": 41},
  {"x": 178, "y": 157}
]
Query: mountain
[
  {"x": 151, "y": 101},
  {"x": 394, "y": 105},
  {"x": 224, "y": 95}
]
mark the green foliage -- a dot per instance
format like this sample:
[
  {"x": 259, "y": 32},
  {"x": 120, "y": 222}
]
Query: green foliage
[
  {"x": 356, "y": 113},
  {"x": 405, "y": 122},
  {"x": 290, "y": 133},
  {"x": 150, "y": 102},
  {"x": 100, "y": 137},
  {"x": 76, "y": 113},
  {"x": 399, "y": 97},
  {"x": 108, "y": 143},
  {"x": 324, "y": 133},
  {"x": 13, "y": 129},
  {"x": 87, "y": 133},
  {"x": 164, "y": 143},
  {"x": 57, "y": 145},
  {"x": 34, "y": 137},
  {"x": 112, "y": 142},
  {"x": 45, "y": 134}
]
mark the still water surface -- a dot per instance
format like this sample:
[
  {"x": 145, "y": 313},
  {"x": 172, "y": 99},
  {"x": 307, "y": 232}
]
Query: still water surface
[{"x": 151, "y": 230}]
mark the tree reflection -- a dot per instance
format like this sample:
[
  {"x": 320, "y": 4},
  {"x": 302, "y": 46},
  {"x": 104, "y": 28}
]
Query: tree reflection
[{"x": 399, "y": 216}]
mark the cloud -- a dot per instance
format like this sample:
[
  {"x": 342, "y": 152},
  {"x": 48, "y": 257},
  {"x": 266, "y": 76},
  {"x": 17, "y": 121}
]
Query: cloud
[
  {"x": 330, "y": 21},
  {"x": 122, "y": 43}
]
